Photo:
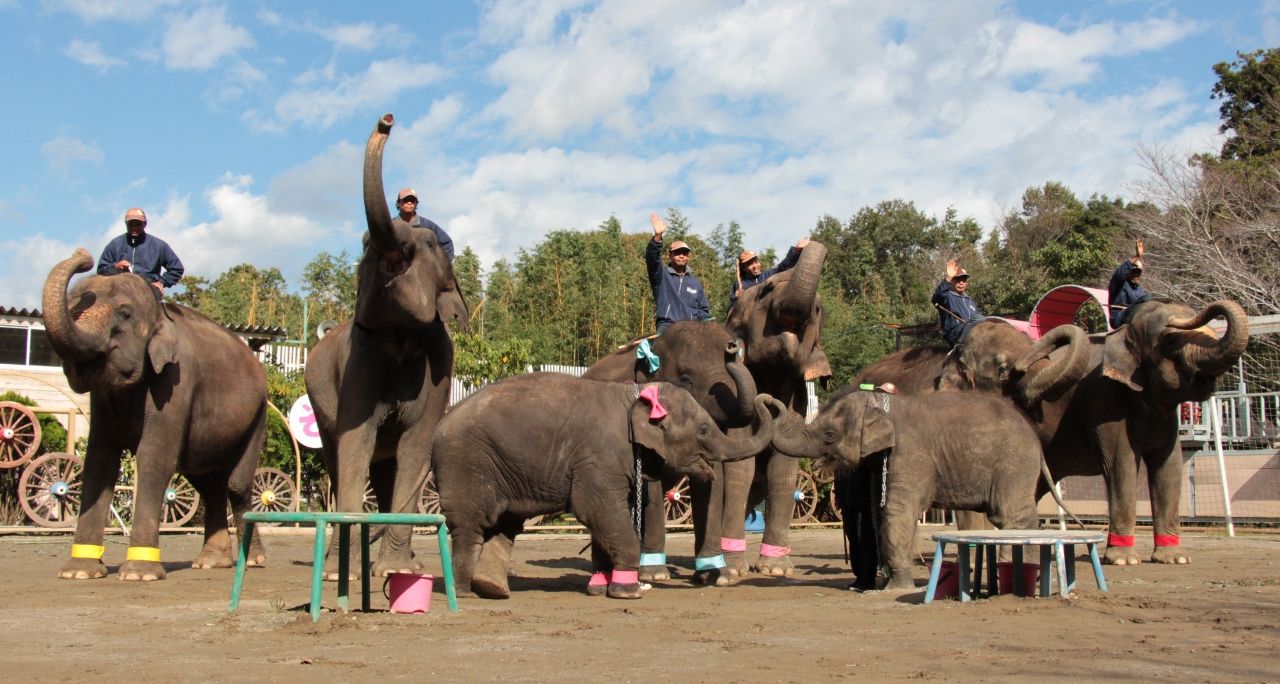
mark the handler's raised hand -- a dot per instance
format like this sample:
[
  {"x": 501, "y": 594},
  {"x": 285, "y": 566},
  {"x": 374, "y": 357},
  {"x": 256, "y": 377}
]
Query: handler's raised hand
[
  {"x": 1138, "y": 249},
  {"x": 952, "y": 269},
  {"x": 659, "y": 226},
  {"x": 803, "y": 242}
]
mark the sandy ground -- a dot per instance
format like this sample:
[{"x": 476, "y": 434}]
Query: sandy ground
[{"x": 1215, "y": 620}]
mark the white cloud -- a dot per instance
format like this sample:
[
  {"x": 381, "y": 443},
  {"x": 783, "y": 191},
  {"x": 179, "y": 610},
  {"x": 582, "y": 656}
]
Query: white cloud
[
  {"x": 91, "y": 54},
  {"x": 104, "y": 10},
  {"x": 326, "y": 99},
  {"x": 63, "y": 153},
  {"x": 201, "y": 39},
  {"x": 1066, "y": 59},
  {"x": 363, "y": 36},
  {"x": 27, "y": 261}
]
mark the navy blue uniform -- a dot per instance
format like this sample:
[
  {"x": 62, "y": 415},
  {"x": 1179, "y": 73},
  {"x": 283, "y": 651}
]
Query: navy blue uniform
[
  {"x": 677, "y": 297},
  {"x": 1124, "y": 294},
  {"x": 446, "y": 242},
  {"x": 148, "y": 254},
  {"x": 960, "y": 305},
  {"x": 793, "y": 256}
]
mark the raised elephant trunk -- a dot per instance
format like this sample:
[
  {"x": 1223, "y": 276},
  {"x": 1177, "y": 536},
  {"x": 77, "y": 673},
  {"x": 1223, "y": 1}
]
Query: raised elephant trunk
[
  {"x": 72, "y": 341},
  {"x": 1216, "y": 358},
  {"x": 797, "y": 302},
  {"x": 795, "y": 439},
  {"x": 739, "y": 449},
  {"x": 744, "y": 384},
  {"x": 382, "y": 232},
  {"x": 1063, "y": 369}
]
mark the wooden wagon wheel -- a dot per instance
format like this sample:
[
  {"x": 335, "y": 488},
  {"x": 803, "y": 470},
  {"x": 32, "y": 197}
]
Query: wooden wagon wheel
[
  {"x": 806, "y": 497},
  {"x": 49, "y": 489},
  {"x": 19, "y": 434},
  {"x": 370, "y": 504},
  {"x": 181, "y": 500},
  {"x": 676, "y": 501},
  {"x": 429, "y": 498},
  {"x": 273, "y": 490}
]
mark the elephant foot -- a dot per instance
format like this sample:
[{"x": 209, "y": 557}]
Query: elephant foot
[
  {"x": 715, "y": 577},
  {"x": 208, "y": 560},
  {"x": 384, "y": 567},
  {"x": 779, "y": 566},
  {"x": 141, "y": 571},
  {"x": 736, "y": 565},
  {"x": 631, "y": 590},
  {"x": 331, "y": 575},
  {"x": 1171, "y": 555},
  {"x": 654, "y": 573},
  {"x": 490, "y": 587},
  {"x": 900, "y": 582},
  {"x": 83, "y": 568},
  {"x": 1120, "y": 555}
]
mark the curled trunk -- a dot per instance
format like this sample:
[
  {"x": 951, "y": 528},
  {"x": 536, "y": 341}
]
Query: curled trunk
[
  {"x": 1216, "y": 358},
  {"x": 1064, "y": 368},
  {"x": 381, "y": 230},
  {"x": 797, "y": 302},
  {"x": 72, "y": 341},
  {"x": 794, "y": 438},
  {"x": 744, "y": 384},
  {"x": 739, "y": 449}
]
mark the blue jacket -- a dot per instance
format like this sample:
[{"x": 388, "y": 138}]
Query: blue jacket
[
  {"x": 789, "y": 261},
  {"x": 678, "y": 297},
  {"x": 446, "y": 243},
  {"x": 147, "y": 255},
  {"x": 960, "y": 305},
  {"x": 1124, "y": 294}
]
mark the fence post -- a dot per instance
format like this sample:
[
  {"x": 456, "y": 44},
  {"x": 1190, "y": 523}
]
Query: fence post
[{"x": 1222, "y": 464}]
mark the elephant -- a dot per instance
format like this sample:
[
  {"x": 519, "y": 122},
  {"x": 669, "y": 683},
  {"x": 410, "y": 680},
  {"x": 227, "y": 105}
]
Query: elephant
[
  {"x": 702, "y": 358},
  {"x": 171, "y": 386},
  {"x": 1121, "y": 411},
  {"x": 380, "y": 382},
  {"x": 959, "y": 451},
  {"x": 546, "y": 442}
]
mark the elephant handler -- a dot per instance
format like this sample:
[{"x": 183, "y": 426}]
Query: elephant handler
[
  {"x": 1125, "y": 288},
  {"x": 860, "y": 496},
  {"x": 955, "y": 309},
  {"x": 145, "y": 255},
  {"x": 677, "y": 292},
  {"x": 751, "y": 273},
  {"x": 407, "y": 204}
]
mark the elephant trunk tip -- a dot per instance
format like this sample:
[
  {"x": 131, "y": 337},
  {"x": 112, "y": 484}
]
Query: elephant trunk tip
[
  {"x": 84, "y": 260},
  {"x": 386, "y": 122}
]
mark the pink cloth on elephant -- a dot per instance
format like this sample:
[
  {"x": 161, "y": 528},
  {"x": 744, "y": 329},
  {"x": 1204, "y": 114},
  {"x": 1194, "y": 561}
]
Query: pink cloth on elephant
[
  {"x": 1168, "y": 540},
  {"x": 771, "y": 551},
  {"x": 650, "y": 394},
  {"x": 1121, "y": 540},
  {"x": 728, "y": 544},
  {"x": 597, "y": 580},
  {"x": 625, "y": 577}
]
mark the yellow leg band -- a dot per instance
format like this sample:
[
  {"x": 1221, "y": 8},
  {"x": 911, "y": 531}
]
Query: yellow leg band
[
  {"x": 143, "y": 553},
  {"x": 90, "y": 551}
]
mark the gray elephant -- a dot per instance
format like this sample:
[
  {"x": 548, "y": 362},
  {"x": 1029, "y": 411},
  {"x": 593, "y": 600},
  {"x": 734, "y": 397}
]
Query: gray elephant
[
  {"x": 379, "y": 384},
  {"x": 169, "y": 385},
  {"x": 952, "y": 450},
  {"x": 546, "y": 442}
]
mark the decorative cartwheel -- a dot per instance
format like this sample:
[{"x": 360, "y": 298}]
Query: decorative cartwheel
[
  {"x": 19, "y": 434},
  {"x": 677, "y": 503}
]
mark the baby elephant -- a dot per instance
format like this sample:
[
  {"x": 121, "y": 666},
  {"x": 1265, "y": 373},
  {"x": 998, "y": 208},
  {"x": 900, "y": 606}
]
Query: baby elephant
[
  {"x": 544, "y": 443},
  {"x": 954, "y": 450}
]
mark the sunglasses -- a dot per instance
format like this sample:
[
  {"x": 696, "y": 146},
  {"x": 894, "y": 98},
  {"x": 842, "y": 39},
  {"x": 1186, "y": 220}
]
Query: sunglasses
[
  {"x": 678, "y": 252},
  {"x": 409, "y": 200}
]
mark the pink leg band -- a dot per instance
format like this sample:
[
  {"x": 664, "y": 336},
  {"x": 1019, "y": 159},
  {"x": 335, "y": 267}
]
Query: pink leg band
[
  {"x": 727, "y": 544},
  {"x": 1119, "y": 539},
  {"x": 598, "y": 580},
  {"x": 625, "y": 577},
  {"x": 1168, "y": 540},
  {"x": 771, "y": 551}
]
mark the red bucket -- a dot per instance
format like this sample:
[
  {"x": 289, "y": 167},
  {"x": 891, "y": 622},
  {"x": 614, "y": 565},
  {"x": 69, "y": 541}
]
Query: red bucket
[
  {"x": 1030, "y": 575},
  {"x": 948, "y": 581}
]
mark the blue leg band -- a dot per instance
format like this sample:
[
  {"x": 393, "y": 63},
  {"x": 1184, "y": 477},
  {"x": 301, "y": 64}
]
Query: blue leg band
[
  {"x": 653, "y": 559},
  {"x": 712, "y": 563}
]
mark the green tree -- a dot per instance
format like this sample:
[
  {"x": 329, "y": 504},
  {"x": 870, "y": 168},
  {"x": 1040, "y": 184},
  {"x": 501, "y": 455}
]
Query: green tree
[
  {"x": 1249, "y": 92},
  {"x": 329, "y": 284}
]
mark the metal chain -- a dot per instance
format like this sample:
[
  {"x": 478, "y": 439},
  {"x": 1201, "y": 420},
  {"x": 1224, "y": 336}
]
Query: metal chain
[
  {"x": 884, "y": 479},
  {"x": 637, "y": 494}
]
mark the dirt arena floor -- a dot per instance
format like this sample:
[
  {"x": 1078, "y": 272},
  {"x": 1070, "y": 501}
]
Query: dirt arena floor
[{"x": 1215, "y": 620}]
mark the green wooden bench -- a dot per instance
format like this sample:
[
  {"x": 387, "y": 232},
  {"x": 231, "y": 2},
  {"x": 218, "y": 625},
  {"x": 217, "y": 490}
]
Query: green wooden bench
[{"x": 343, "y": 521}]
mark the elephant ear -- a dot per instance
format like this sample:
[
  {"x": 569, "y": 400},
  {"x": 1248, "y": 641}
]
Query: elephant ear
[
  {"x": 647, "y": 432},
  {"x": 162, "y": 348},
  {"x": 816, "y": 366},
  {"x": 877, "y": 429},
  {"x": 1120, "y": 358},
  {"x": 451, "y": 305}
]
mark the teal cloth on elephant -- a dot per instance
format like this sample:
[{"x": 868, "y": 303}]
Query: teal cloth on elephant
[
  {"x": 645, "y": 353},
  {"x": 711, "y": 563},
  {"x": 653, "y": 559}
]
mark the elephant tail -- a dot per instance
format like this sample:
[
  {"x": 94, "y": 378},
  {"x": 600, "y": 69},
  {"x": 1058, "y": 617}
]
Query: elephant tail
[{"x": 1048, "y": 480}]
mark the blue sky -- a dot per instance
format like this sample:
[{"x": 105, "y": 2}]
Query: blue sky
[{"x": 239, "y": 126}]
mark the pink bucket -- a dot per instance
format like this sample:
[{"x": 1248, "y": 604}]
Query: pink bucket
[
  {"x": 1030, "y": 575},
  {"x": 409, "y": 593},
  {"x": 948, "y": 582}
]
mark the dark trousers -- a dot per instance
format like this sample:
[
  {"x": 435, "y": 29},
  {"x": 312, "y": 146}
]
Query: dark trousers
[{"x": 858, "y": 496}]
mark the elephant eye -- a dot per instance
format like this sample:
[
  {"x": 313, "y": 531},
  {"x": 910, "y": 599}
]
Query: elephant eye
[
  {"x": 704, "y": 430},
  {"x": 830, "y": 436}
]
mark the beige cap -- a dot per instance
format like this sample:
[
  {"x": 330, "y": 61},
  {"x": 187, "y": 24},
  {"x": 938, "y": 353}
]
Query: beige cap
[
  {"x": 135, "y": 214},
  {"x": 746, "y": 257},
  {"x": 961, "y": 274},
  {"x": 407, "y": 192},
  {"x": 678, "y": 245}
]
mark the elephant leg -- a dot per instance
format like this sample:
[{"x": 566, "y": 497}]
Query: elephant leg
[
  {"x": 611, "y": 528},
  {"x": 101, "y": 465},
  {"x": 1122, "y": 499},
  {"x": 466, "y": 539},
  {"x": 240, "y": 493},
  {"x": 493, "y": 568},
  {"x": 1164, "y": 478},
  {"x": 601, "y": 570},
  {"x": 653, "y": 556},
  {"x": 355, "y": 456},
  {"x": 780, "y": 507},
  {"x": 738, "y": 478},
  {"x": 395, "y": 551},
  {"x": 155, "y": 470},
  {"x": 898, "y": 538},
  {"x": 216, "y": 552},
  {"x": 708, "y": 502}
]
